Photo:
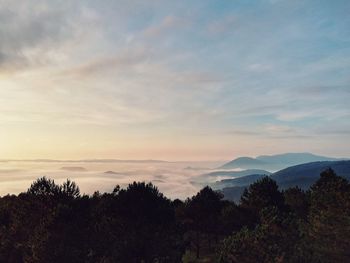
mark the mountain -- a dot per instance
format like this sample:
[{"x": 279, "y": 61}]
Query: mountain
[
  {"x": 294, "y": 158},
  {"x": 275, "y": 162},
  {"x": 113, "y": 173},
  {"x": 238, "y": 173},
  {"x": 302, "y": 175},
  {"x": 240, "y": 181},
  {"x": 244, "y": 163}
]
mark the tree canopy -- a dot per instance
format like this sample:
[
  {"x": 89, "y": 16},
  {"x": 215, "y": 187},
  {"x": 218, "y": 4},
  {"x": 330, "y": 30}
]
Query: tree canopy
[{"x": 55, "y": 223}]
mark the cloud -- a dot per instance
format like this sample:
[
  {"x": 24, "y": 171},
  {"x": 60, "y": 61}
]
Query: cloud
[
  {"x": 25, "y": 28},
  {"x": 223, "y": 25},
  {"x": 167, "y": 25},
  {"x": 335, "y": 131},
  {"x": 33, "y": 33},
  {"x": 125, "y": 60},
  {"x": 279, "y": 129},
  {"x": 325, "y": 90},
  {"x": 274, "y": 1},
  {"x": 260, "y": 68},
  {"x": 250, "y": 70},
  {"x": 242, "y": 133}
]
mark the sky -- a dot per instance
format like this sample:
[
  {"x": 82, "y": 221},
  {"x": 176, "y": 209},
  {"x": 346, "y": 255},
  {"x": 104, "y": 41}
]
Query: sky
[{"x": 173, "y": 80}]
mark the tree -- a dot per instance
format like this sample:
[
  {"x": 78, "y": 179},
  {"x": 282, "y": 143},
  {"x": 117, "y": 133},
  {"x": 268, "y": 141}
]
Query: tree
[
  {"x": 54, "y": 223},
  {"x": 70, "y": 189},
  {"x": 232, "y": 218},
  {"x": 297, "y": 201},
  {"x": 201, "y": 218},
  {"x": 44, "y": 187},
  {"x": 261, "y": 194},
  {"x": 275, "y": 239},
  {"x": 149, "y": 231},
  {"x": 328, "y": 230}
]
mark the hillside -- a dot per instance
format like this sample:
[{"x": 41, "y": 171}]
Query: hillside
[
  {"x": 236, "y": 174},
  {"x": 240, "y": 181},
  {"x": 275, "y": 162},
  {"x": 244, "y": 163},
  {"x": 290, "y": 159},
  {"x": 303, "y": 176}
]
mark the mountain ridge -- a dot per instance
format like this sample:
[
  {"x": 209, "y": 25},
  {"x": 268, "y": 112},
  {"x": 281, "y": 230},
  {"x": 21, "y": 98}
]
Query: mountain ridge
[
  {"x": 236, "y": 174},
  {"x": 302, "y": 175},
  {"x": 275, "y": 162}
]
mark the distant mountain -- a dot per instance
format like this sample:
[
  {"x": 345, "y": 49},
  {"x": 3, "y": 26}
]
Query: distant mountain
[
  {"x": 214, "y": 179},
  {"x": 244, "y": 163},
  {"x": 275, "y": 162},
  {"x": 235, "y": 174},
  {"x": 112, "y": 173},
  {"x": 240, "y": 181},
  {"x": 294, "y": 158},
  {"x": 303, "y": 176}
]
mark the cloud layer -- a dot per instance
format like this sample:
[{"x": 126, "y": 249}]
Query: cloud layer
[{"x": 173, "y": 80}]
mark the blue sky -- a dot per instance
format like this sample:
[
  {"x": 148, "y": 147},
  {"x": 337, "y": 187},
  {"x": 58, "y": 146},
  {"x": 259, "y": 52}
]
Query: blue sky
[{"x": 174, "y": 79}]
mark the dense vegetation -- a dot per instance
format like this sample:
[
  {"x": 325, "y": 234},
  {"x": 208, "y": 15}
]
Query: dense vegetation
[{"x": 55, "y": 223}]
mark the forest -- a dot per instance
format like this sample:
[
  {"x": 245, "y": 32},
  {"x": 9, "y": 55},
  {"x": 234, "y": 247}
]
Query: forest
[{"x": 56, "y": 223}]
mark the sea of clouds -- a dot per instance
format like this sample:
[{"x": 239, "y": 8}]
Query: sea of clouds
[{"x": 174, "y": 179}]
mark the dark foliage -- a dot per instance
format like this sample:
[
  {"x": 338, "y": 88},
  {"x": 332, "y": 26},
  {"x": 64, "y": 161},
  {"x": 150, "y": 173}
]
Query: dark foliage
[
  {"x": 301, "y": 227},
  {"x": 55, "y": 223}
]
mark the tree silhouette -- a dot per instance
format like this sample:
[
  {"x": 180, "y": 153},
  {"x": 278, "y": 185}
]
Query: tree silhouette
[
  {"x": 297, "y": 201},
  {"x": 54, "y": 223},
  {"x": 70, "y": 189},
  {"x": 261, "y": 194},
  {"x": 44, "y": 187},
  {"x": 329, "y": 219},
  {"x": 202, "y": 213}
]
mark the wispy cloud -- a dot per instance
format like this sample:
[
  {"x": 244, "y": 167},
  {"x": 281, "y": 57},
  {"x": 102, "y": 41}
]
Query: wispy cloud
[
  {"x": 167, "y": 25},
  {"x": 231, "y": 75},
  {"x": 126, "y": 60}
]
